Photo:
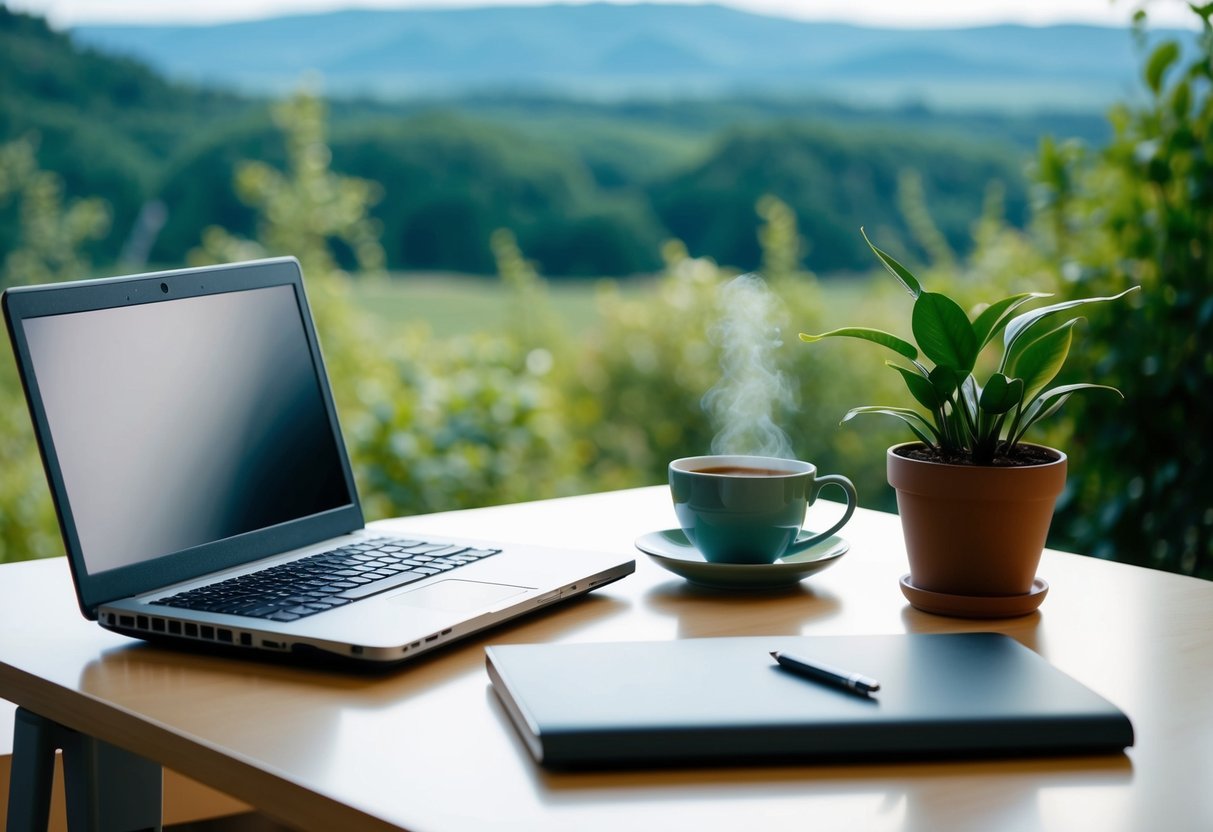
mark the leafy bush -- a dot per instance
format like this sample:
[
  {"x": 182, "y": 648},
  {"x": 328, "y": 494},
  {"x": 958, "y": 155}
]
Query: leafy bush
[
  {"x": 835, "y": 181},
  {"x": 433, "y": 423},
  {"x": 642, "y": 381},
  {"x": 460, "y": 422},
  {"x": 1140, "y": 211},
  {"x": 47, "y": 240}
]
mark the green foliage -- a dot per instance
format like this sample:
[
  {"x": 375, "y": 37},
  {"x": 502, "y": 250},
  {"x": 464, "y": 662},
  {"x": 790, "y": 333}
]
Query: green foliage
[
  {"x": 466, "y": 421},
  {"x": 589, "y": 188},
  {"x": 534, "y": 410},
  {"x": 312, "y": 213},
  {"x": 116, "y": 169},
  {"x": 103, "y": 124},
  {"x": 42, "y": 63},
  {"x": 433, "y": 423},
  {"x": 831, "y": 179},
  {"x": 307, "y": 209},
  {"x": 437, "y": 422},
  {"x": 47, "y": 238},
  {"x": 637, "y": 399},
  {"x": 968, "y": 420},
  {"x": 447, "y": 182},
  {"x": 1140, "y": 212},
  {"x": 27, "y": 521},
  {"x": 452, "y": 182},
  {"x": 465, "y": 304},
  {"x": 197, "y": 183},
  {"x": 637, "y": 404}
]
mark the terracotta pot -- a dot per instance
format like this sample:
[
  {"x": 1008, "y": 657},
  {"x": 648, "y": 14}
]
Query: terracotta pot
[{"x": 974, "y": 530}]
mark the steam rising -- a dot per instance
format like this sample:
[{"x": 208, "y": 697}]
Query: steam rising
[{"x": 743, "y": 403}]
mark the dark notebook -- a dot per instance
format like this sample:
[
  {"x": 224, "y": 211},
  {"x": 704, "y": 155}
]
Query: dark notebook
[{"x": 719, "y": 700}]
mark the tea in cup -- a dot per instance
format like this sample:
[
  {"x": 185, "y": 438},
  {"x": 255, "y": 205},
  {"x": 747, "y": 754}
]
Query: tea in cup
[{"x": 749, "y": 509}]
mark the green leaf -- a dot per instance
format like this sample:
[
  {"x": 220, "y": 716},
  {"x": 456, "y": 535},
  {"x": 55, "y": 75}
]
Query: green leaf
[
  {"x": 1021, "y": 324},
  {"x": 876, "y": 336},
  {"x": 969, "y": 396},
  {"x": 898, "y": 271},
  {"x": 1181, "y": 100},
  {"x": 943, "y": 332},
  {"x": 1066, "y": 389},
  {"x": 995, "y": 316},
  {"x": 911, "y": 417},
  {"x": 920, "y": 386},
  {"x": 1160, "y": 61},
  {"x": 1042, "y": 359},
  {"x": 1001, "y": 394},
  {"x": 1051, "y": 401},
  {"x": 945, "y": 379}
]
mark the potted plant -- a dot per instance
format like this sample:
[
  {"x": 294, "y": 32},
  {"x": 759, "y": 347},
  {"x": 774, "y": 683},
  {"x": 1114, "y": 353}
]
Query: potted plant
[{"x": 975, "y": 500}]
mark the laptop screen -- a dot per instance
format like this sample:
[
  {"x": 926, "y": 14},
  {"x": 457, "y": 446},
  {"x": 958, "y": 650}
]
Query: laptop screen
[{"x": 185, "y": 421}]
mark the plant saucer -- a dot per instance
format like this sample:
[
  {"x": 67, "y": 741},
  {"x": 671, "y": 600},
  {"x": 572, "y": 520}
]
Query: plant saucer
[
  {"x": 671, "y": 550},
  {"x": 975, "y": 606}
]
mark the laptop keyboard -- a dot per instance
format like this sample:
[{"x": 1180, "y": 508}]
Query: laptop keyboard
[{"x": 330, "y": 579}]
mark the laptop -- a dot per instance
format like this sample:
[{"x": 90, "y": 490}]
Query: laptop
[{"x": 203, "y": 489}]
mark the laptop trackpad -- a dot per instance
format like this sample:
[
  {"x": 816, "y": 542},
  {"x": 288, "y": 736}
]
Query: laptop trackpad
[{"x": 455, "y": 595}]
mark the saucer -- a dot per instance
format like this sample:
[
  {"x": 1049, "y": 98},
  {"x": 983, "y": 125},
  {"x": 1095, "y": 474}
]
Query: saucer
[
  {"x": 975, "y": 606},
  {"x": 671, "y": 550}
]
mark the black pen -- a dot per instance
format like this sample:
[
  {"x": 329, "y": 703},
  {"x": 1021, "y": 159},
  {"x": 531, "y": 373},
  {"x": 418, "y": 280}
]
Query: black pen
[{"x": 854, "y": 682}]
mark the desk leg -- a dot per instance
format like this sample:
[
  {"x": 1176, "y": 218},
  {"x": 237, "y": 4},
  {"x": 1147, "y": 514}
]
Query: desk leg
[
  {"x": 107, "y": 789},
  {"x": 33, "y": 769}
]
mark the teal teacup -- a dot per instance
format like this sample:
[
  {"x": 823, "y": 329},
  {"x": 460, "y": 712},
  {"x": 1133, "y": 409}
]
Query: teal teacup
[{"x": 749, "y": 509}]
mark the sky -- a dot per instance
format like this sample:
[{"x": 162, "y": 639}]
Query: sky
[{"x": 896, "y": 13}]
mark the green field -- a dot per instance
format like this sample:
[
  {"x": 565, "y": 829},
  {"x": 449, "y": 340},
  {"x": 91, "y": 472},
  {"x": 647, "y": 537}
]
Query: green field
[{"x": 456, "y": 304}]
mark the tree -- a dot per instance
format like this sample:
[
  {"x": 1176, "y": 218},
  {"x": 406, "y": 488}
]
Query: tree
[
  {"x": 318, "y": 216},
  {"x": 1140, "y": 212},
  {"x": 47, "y": 246},
  {"x": 50, "y": 235},
  {"x": 433, "y": 423}
]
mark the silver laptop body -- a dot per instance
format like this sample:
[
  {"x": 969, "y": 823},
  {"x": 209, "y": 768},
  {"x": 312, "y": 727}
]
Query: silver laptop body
[{"x": 190, "y": 440}]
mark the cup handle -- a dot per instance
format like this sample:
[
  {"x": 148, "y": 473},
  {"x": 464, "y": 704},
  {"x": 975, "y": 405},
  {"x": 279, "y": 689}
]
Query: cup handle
[{"x": 818, "y": 484}]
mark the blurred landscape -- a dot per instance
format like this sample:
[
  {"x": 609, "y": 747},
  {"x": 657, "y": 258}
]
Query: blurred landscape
[
  {"x": 602, "y": 49},
  {"x": 471, "y": 120},
  {"x": 515, "y": 223}
]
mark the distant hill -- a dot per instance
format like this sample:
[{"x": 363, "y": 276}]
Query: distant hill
[
  {"x": 104, "y": 124},
  {"x": 590, "y": 185},
  {"x": 629, "y": 49}
]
